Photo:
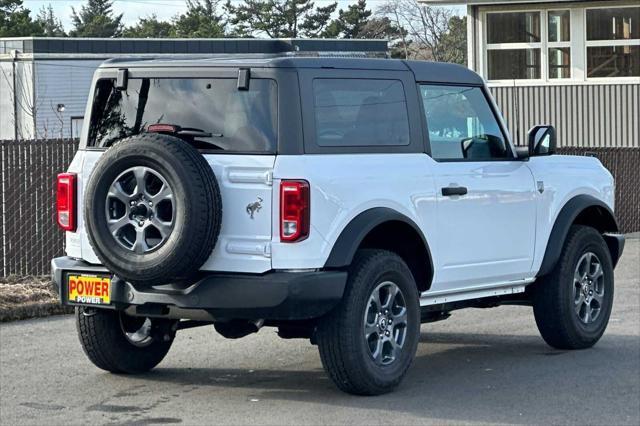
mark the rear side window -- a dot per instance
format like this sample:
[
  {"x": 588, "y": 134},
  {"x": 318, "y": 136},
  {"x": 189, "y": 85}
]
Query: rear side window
[
  {"x": 360, "y": 112},
  {"x": 221, "y": 116},
  {"x": 461, "y": 124}
]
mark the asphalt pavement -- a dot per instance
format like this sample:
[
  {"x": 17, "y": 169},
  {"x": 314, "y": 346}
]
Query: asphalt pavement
[{"x": 479, "y": 366}]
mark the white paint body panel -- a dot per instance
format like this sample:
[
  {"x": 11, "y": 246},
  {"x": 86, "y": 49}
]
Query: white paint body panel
[
  {"x": 342, "y": 187},
  {"x": 488, "y": 242},
  {"x": 565, "y": 177},
  {"x": 243, "y": 244},
  {"x": 487, "y": 235}
]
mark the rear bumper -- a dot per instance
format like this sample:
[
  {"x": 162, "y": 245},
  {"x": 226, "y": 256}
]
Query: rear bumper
[{"x": 270, "y": 296}]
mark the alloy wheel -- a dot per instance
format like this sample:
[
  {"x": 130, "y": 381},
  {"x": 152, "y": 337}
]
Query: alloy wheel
[
  {"x": 588, "y": 288},
  {"x": 385, "y": 323},
  {"x": 140, "y": 209}
]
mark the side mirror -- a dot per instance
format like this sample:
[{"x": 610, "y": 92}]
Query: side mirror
[
  {"x": 522, "y": 152},
  {"x": 542, "y": 140}
]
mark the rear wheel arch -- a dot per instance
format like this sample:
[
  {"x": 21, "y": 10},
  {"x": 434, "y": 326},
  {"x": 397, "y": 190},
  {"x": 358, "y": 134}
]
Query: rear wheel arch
[
  {"x": 580, "y": 210},
  {"x": 385, "y": 228}
]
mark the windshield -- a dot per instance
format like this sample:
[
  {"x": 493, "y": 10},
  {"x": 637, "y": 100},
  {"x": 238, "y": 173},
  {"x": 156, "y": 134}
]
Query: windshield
[{"x": 225, "y": 118}]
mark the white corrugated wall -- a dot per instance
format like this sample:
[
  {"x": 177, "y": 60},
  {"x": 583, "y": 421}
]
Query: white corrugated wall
[
  {"x": 65, "y": 82},
  {"x": 6, "y": 100},
  {"x": 593, "y": 115}
]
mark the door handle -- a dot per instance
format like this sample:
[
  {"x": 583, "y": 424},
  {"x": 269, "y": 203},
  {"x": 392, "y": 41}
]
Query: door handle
[{"x": 454, "y": 190}]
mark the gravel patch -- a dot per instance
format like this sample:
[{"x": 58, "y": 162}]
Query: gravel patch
[{"x": 29, "y": 297}]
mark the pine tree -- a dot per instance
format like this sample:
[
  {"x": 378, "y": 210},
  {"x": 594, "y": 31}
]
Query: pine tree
[
  {"x": 202, "y": 19},
  {"x": 351, "y": 23},
  {"x": 15, "y": 20},
  {"x": 315, "y": 24},
  {"x": 454, "y": 42},
  {"x": 96, "y": 19},
  {"x": 279, "y": 18},
  {"x": 50, "y": 23},
  {"x": 149, "y": 27}
]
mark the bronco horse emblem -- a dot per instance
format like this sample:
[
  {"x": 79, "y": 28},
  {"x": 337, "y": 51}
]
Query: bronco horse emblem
[{"x": 254, "y": 207}]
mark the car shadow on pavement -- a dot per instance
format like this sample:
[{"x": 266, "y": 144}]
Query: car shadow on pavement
[{"x": 468, "y": 377}]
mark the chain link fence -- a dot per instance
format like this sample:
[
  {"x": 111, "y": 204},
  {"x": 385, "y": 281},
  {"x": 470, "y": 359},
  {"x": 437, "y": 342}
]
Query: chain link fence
[
  {"x": 30, "y": 237},
  {"x": 624, "y": 165}
]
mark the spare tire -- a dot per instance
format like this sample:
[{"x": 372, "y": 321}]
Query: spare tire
[{"x": 152, "y": 209}]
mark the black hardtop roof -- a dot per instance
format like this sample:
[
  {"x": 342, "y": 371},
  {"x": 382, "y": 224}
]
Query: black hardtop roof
[{"x": 427, "y": 71}]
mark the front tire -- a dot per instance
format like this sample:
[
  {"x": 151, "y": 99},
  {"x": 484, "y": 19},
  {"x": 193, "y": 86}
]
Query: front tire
[
  {"x": 119, "y": 343},
  {"x": 573, "y": 303},
  {"x": 368, "y": 342}
]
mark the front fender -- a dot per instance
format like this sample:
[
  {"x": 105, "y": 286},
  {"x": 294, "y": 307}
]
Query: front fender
[{"x": 567, "y": 216}]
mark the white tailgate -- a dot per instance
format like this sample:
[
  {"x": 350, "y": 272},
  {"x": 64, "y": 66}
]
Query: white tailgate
[{"x": 244, "y": 243}]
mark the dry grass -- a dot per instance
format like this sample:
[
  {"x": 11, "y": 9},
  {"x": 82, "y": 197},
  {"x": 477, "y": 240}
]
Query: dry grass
[{"x": 29, "y": 297}]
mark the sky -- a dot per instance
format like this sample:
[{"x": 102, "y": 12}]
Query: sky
[{"x": 164, "y": 9}]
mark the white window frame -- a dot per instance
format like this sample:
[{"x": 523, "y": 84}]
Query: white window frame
[
  {"x": 607, "y": 43},
  {"x": 578, "y": 44},
  {"x": 559, "y": 44},
  {"x": 73, "y": 120}
]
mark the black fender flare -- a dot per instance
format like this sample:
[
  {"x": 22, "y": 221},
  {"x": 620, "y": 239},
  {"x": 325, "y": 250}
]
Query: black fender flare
[
  {"x": 568, "y": 214},
  {"x": 354, "y": 233}
]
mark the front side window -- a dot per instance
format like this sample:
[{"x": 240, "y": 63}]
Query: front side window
[
  {"x": 219, "y": 115},
  {"x": 613, "y": 42},
  {"x": 360, "y": 112},
  {"x": 461, "y": 124}
]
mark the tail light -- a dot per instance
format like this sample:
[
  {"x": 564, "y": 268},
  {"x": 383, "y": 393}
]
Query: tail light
[
  {"x": 66, "y": 201},
  {"x": 294, "y": 210},
  {"x": 162, "y": 128}
]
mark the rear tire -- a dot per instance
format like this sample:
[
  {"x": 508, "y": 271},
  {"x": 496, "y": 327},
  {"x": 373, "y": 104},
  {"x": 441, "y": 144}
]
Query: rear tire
[
  {"x": 572, "y": 304},
  {"x": 361, "y": 351},
  {"x": 104, "y": 341}
]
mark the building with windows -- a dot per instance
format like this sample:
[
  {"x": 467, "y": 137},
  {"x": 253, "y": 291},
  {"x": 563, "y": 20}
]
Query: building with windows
[
  {"x": 45, "y": 82},
  {"x": 572, "y": 64}
]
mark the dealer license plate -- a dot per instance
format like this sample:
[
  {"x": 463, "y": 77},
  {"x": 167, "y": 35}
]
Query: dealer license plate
[{"x": 89, "y": 289}]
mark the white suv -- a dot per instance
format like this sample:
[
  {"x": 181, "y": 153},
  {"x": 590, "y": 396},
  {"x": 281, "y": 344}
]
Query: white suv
[{"x": 341, "y": 200}]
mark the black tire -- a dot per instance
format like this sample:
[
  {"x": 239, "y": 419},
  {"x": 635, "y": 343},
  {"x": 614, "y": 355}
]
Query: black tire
[
  {"x": 197, "y": 212},
  {"x": 107, "y": 347},
  {"x": 555, "y": 306},
  {"x": 344, "y": 350}
]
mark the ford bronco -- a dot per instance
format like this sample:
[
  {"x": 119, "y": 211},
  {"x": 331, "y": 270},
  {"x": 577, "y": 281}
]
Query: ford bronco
[{"x": 341, "y": 200}]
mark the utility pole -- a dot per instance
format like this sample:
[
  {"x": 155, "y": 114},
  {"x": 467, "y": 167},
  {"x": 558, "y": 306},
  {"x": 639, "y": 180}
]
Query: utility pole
[{"x": 14, "y": 57}]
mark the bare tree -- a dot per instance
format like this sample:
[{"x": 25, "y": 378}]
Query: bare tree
[
  {"x": 389, "y": 10},
  {"x": 427, "y": 26}
]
